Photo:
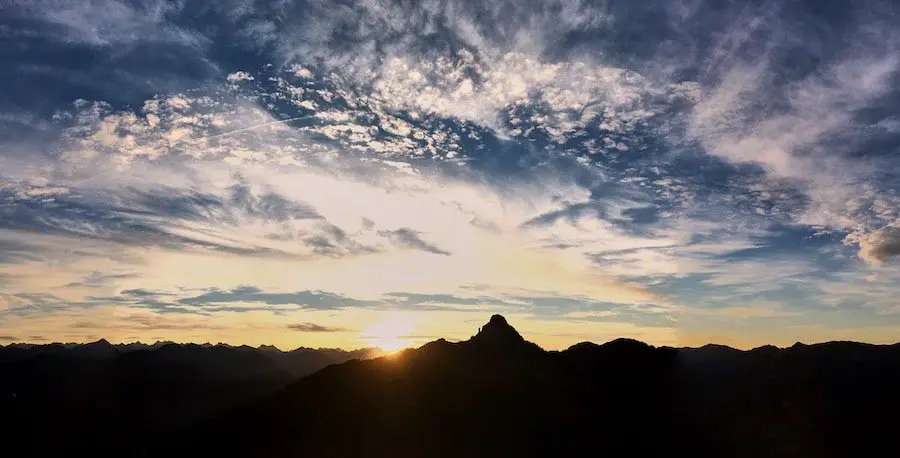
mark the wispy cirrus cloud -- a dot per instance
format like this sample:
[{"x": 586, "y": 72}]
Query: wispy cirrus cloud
[
  {"x": 408, "y": 238},
  {"x": 312, "y": 327},
  {"x": 97, "y": 279},
  {"x": 251, "y": 294},
  {"x": 105, "y": 22}
]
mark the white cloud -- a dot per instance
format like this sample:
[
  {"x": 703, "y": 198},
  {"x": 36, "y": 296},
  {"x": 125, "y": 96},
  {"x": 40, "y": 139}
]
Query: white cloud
[
  {"x": 741, "y": 120},
  {"x": 481, "y": 91},
  {"x": 493, "y": 63},
  {"x": 490, "y": 27},
  {"x": 300, "y": 71},
  {"x": 878, "y": 246},
  {"x": 112, "y": 22},
  {"x": 237, "y": 77},
  {"x": 179, "y": 146},
  {"x": 365, "y": 118},
  {"x": 40, "y": 191}
]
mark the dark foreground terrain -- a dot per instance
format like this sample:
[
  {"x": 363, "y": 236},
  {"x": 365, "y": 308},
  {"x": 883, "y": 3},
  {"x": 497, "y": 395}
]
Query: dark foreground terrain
[
  {"x": 59, "y": 399},
  {"x": 493, "y": 395}
]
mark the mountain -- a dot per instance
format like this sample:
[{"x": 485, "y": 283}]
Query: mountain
[
  {"x": 103, "y": 397},
  {"x": 494, "y": 395},
  {"x": 498, "y": 395},
  {"x": 300, "y": 361}
]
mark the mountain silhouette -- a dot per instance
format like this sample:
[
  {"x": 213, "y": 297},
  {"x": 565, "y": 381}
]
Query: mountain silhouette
[
  {"x": 498, "y": 332},
  {"x": 493, "y": 395},
  {"x": 106, "y": 398},
  {"x": 497, "y": 394},
  {"x": 498, "y": 337}
]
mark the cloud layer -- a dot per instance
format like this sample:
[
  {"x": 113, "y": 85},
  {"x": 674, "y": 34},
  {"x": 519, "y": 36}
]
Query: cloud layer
[{"x": 668, "y": 170}]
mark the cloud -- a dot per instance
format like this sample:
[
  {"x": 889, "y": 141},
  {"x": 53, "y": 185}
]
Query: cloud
[
  {"x": 108, "y": 22},
  {"x": 312, "y": 327},
  {"x": 880, "y": 245},
  {"x": 530, "y": 157},
  {"x": 860, "y": 291},
  {"x": 375, "y": 27},
  {"x": 251, "y": 294},
  {"x": 30, "y": 303},
  {"x": 138, "y": 323},
  {"x": 98, "y": 279},
  {"x": 592, "y": 314},
  {"x": 238, "y": 77},
  {"x": 753, "y": 309},
  {"x": 301, "y": 204},
  {"x": 803, "y": 130},
  {"x": 139, "y": 292},
  {"x": 163, "y": 217},
  {"x": 268, "y": 206},
  {"x": 9, "y": 338},
  {"x": 83, "y": 220},
  {"x": 407, "y": 238},
  {"x": 41, "y": 191},
  {"x": 486, "y": 92},
  {"x": 16, "y": 251}
]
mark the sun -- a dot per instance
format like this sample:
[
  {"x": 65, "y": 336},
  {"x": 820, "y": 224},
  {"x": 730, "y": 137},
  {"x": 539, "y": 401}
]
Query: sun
[{"x": 390, "y": 334}]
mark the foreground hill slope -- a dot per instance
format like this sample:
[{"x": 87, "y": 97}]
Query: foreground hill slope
[
  {"x": 499, "y": 395},
  {"x": 103, "y": 398}
]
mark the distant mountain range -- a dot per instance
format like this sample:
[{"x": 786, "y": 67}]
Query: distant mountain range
[
  {"x": 299, "y": 362},
  {"x": 494, "y": 395},
  {"x": 100, "y": 396}
]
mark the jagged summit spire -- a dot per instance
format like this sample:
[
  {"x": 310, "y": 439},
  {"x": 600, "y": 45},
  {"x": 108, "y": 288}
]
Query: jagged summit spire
[
  {"x": 497, "y": 320},
  {"x": 498, "y": 331}
]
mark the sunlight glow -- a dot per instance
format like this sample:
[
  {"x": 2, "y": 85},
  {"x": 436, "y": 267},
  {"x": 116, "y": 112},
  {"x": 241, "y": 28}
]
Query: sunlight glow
[{"x": 392, "y": 333}]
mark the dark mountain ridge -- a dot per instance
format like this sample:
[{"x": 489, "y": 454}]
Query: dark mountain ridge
[
  {"x": 497, "y": 394},
  {"x": 103, "y": 397}
]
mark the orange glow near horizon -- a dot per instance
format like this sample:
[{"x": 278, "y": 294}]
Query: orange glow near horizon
[{"x": 392, "y": 333}]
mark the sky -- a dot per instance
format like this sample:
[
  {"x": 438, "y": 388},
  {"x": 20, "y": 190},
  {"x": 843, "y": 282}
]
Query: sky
[{"x": 339, "y": 173}]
